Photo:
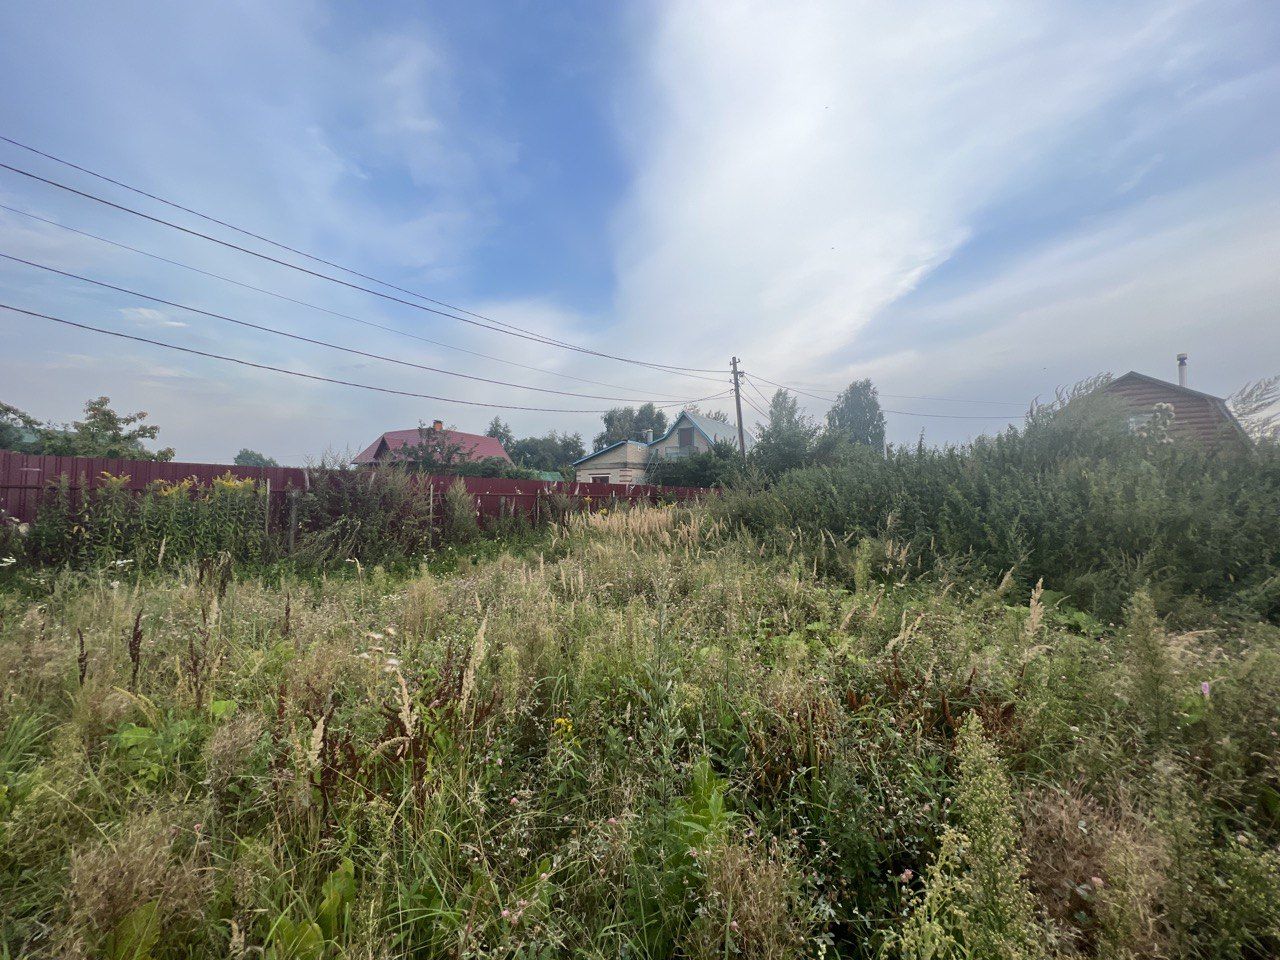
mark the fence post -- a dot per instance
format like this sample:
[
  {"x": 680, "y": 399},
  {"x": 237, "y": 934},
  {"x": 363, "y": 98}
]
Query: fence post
[
  {"x": 293, "y": 520},
  {"x": 266, "y": 520},
  {"x": 431, "y": 511}
]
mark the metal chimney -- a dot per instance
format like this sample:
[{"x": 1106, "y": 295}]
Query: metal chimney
[
  {"x": 648, "y": 436},
  {"x": 1182, "y": 369}
]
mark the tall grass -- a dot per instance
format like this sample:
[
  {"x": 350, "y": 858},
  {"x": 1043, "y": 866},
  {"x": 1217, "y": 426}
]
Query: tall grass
[{"x": 652, "y": 738}]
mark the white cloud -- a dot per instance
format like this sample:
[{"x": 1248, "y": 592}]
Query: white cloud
[
  {"x": 147, "y": 317},
  {"x": 801, "y": 168}
]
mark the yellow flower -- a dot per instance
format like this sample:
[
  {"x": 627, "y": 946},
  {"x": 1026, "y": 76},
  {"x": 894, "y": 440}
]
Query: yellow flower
[{"x": 563, "y": 726}]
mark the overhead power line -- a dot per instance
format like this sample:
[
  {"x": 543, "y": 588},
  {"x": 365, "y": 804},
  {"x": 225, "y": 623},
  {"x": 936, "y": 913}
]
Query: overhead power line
[
  {"x": 314, "y": 306},
  {"x": 488, "y": 322},
  {"x": 313, "y": 376},
  {"x": 756, "y": 407},
  {"x": 311, "y": 340},
  {"x": 536, "y": 338},
  {"x": 759, "y": 392}
]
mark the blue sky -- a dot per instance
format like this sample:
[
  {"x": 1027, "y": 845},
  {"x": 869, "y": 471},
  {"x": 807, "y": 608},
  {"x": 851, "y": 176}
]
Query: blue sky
[{"x": 976, "y": 201}]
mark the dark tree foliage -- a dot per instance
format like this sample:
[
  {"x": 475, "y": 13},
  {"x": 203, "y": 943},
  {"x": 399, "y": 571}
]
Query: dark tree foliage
[
  {"x": 856, "y": 415},
  {"x": 787, "y": 440},
  {"x": 630, "y": 423},
  {"x": 252, "y": 458},
  {"x": 555, "y": 451},
  {"x": 102, "y": 433},
  {"x": 437, "y": 452},
  {"x": 501, "y": 432},
  {"x": 718, "y": 467},
  {"x": 18, "y": 430}
]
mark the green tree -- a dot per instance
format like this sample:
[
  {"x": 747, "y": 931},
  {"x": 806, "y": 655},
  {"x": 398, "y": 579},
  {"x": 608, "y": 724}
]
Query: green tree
[
  {"x": 18, "y": 430},
  {"x": 435, "y": 452},
  {"x": 856, "y": 415},
  {"x": 629, "y": 423},
  {"x": 501, "y": 432},
  {"x": 787, "y": 440},
  {"x": 103, "y": 433},
  {"x": 552, "y": 452},
  {"x": 252, "y": 458}
]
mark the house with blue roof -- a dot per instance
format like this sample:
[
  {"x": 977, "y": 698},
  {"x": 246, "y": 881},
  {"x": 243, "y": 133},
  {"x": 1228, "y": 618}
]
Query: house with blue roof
[{"x": 627, "y": 460}]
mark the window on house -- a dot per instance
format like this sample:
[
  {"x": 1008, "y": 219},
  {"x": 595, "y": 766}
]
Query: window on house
[
  {"x": 599, "y": 478},
  {"x": 685, "y": 436}
]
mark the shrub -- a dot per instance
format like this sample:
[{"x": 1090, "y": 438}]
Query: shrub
[
  {"x": 1074, "y": 498},
  {"x": 976, "y": 902},
  {"x": 458, "y": 523}
]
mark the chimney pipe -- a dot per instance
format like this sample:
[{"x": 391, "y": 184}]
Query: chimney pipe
[
  {"x": 648, "y": 436},
  {"x": 1182, "y": 369},
  {"x": 437, "y": 424}
]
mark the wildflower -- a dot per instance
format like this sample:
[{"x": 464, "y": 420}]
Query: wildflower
[
  {"x": 122, "y": 563},
  {"x": 506, "y": 914},
  {"x": 563, "y": 725},
  {"x": 1097, "y": 882},
  {"x": 8, "y": 561},
  {"x": 544, "y": 877},
  {"x": 733, "y": 925},
  {"x": 612, "y": 821},
  {"x": 1204, "y": 689},
  {"x": 906, "y": 875}
]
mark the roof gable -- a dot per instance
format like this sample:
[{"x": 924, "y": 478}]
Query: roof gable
[
  {"x": 473, "y": 446},
  {"x": 595, "y": 453},
  {"x": 713, "y": 430},
  {"x": 1215, "y": 408}
]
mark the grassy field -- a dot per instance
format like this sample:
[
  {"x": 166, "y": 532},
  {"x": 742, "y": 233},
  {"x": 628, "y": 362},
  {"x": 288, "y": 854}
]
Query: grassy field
[{"x": 645, "y": 736}]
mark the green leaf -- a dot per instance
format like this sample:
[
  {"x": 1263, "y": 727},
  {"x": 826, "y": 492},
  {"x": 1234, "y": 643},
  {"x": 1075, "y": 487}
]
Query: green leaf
[
  {"x": 135, "y": 935},
  {"x": 295, "y": 941},
  {"x": 338, "y": 891}
]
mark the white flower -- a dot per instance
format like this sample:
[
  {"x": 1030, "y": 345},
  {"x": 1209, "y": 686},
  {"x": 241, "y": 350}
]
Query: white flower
[{"x": 8, "y": 561}]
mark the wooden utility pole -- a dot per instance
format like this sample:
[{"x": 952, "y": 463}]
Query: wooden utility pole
[{"x": 737, "y": 402}]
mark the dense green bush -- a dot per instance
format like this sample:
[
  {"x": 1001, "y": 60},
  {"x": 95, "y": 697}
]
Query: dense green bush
[
  {"x": 717, "y": 467},
  {"x": 1075, "y": 497}
]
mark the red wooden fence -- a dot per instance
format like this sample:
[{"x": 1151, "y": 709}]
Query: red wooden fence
[{"x": 25, "y": 477}]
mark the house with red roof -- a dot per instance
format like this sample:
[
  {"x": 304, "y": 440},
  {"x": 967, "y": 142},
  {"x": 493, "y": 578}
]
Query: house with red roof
[{"x": 472, "y": 447}]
